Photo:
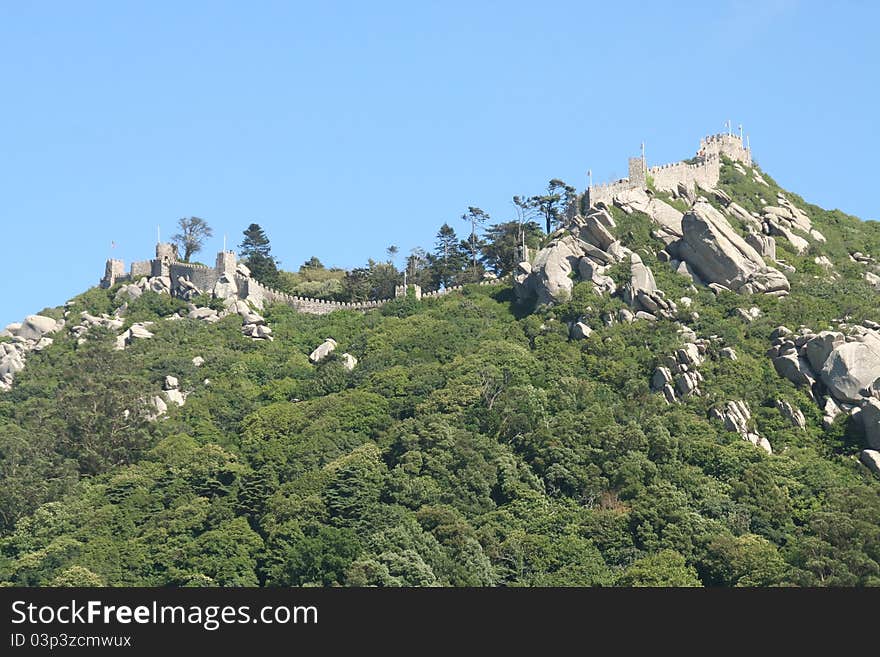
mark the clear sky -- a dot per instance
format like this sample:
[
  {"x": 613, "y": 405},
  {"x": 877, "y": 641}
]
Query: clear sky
[{"x": 343, "y": 128}]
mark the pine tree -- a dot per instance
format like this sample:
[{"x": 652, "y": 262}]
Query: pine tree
[
  {"x": 448, "y": 260},
  {"x": 255, "y": 250}
]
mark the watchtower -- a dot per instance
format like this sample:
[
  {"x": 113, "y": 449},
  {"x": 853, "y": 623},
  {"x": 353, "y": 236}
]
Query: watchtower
[
  {"x": 226, "y": 262},
  {"x": 637, "y": 173}
]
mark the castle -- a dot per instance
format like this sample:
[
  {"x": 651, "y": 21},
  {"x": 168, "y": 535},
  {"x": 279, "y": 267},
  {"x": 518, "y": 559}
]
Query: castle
[
  {"x": 227, "y": 277},
  {"x": 704, "y": 170},
  {"x": 181, "y": 277},
  {"x": 167, "y": 265}
]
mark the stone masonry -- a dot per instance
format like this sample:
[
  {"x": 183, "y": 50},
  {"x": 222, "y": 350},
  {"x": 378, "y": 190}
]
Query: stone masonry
[{"x": 704, "y": 171}]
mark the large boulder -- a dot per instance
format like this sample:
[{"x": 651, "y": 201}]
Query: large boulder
[
  {"x": 225, "y": 287},
  {"x": 800, "y": 245},
  {"x": 820, "y": 347},
  {"x": 323, "y": 350},
  {"x": 794, "y": 368},
  {"x": 719, "y": 255},
  {"x": 870, "y": 415},
  {"x": 871, "y": 459},
  {"x": 205, "y": 314},
  {"x": 763, "y": 244},
  {"x": 590, "y": 270},
  {"x": 35, "y": 327},
  {"x": 128, "y": 293},
  {"x": 549, "y": 279},
  {"x": 641, "y": 292},
  {"x": 349, "y": 362},
  {"x": 594, "y": 228},
  {"x": 11, "y": 363},
  {"x": 666, "y": 217},
  {"x": 160, "y": 284},
  {"x": 851, "y": 368}
]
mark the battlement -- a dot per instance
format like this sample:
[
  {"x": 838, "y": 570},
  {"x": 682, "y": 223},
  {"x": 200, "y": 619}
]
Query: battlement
[
  {"x": 206, "y": 278},
  {"x": 705, "y": 171}
]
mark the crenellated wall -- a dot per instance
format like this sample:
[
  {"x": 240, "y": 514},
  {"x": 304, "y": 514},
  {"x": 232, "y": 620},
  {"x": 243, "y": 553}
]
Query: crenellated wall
[
  {"x": 705, "y": 171},
  {"x": 205, "y": 278}
]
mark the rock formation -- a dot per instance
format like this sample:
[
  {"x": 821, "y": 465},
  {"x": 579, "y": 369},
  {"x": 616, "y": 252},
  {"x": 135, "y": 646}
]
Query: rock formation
[
  {"x": 719, "y": 255},
  {"x": 736, "y": 417}
]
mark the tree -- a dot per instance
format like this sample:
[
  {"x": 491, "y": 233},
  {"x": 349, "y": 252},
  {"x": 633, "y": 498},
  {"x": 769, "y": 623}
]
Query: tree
[
  {"x": 476, "y": 217},
  {"x": 256, "y": 252},
  {"x": 663, "y": 568},
  {"x": 392, "y": 252},
  {"x": 502, "y": 249},
  {"x": 418, "y": 268},
  {"x": 193, "y": 233},
  {"x": 448, "y": 258},
  {"x": 311, "y": 263},
  {"x": 553, "y": 204}
]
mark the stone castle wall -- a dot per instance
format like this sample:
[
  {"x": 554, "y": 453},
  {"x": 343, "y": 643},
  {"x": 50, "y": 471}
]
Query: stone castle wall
[
  {"x": 205, "y": 278},
  {"x": 704, "y": 172}
]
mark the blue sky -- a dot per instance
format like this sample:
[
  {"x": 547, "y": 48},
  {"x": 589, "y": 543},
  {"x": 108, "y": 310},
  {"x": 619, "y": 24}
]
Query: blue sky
[{"x": 345, "y": 127}]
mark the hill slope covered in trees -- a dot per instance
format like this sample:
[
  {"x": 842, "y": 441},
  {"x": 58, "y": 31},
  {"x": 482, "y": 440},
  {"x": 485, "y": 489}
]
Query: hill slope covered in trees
[{"x": 476, "y": 443}]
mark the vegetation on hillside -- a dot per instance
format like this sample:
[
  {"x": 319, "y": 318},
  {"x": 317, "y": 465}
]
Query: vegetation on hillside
[{"x": 474, "y": 444}]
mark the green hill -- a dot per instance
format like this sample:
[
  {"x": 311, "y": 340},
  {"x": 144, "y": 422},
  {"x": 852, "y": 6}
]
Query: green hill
[{"x": 475, "y": 443}]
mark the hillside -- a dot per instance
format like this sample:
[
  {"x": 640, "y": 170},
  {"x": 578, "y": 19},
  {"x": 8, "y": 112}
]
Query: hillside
[{"x": 679, "y": 388}]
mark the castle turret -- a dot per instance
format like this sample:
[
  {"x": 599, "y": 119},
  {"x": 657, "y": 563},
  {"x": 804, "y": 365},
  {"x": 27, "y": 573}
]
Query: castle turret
[
  {"x": 113, "y": 270},
  {"x": 165, "y": 254},
  {"x": 637, "y": 173},
  {"x": 226, "y": 262}
]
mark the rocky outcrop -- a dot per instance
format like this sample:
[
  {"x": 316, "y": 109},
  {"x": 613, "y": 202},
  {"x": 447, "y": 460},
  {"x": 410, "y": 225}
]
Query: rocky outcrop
[
  {"x": 736, "y": 416},
  {"x": 870, "y": 417},
  {"x": 323, "y": 350},
  {"x": 719, "y": 255},
  {"x": 792, "y": 414},
  {"x": 871, "y": 459},
  {"x": 580, "y": 331},
  {"x": 642, "y": 294},
  {"x": 666, "y": 217},
  {"x": 225, "y": 287},
  {"x": 840, "y": 370},
  {"x": 548, "y": 279},
  {"x": 349, "y": 362},
  {"x": 138, "y": 331},
  {"x": 28, "y": 336},
  {"x": 586, "y": 248},
  {"x": 851, "y": 368},
  {"x": 677, "y": 376},
  {"x": 172, "y": 391}
]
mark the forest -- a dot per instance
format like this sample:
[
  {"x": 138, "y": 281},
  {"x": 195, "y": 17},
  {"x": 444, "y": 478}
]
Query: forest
[{"x": 474, "y": 444}]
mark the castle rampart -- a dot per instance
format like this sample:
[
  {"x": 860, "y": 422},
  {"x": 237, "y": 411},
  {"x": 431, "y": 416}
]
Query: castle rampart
[
  {"x": 705, "y": 171},
  {"x": 205, "y": 278}
]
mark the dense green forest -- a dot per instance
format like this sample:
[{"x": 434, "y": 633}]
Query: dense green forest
[{"x": 474, "y": 444}]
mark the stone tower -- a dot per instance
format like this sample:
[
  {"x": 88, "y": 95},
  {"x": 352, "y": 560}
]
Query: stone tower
[
  {"x": 165, "y": 254},
  {"x": 113, "y": 270},
  {"x": 637, "y": 173},
  {"x": 226, "y": 262}
]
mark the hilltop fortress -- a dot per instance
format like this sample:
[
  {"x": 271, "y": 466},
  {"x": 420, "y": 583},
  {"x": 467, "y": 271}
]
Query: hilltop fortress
[
  {"x": 230, "y": 279},
  {"x": 704, "y": 170}
]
